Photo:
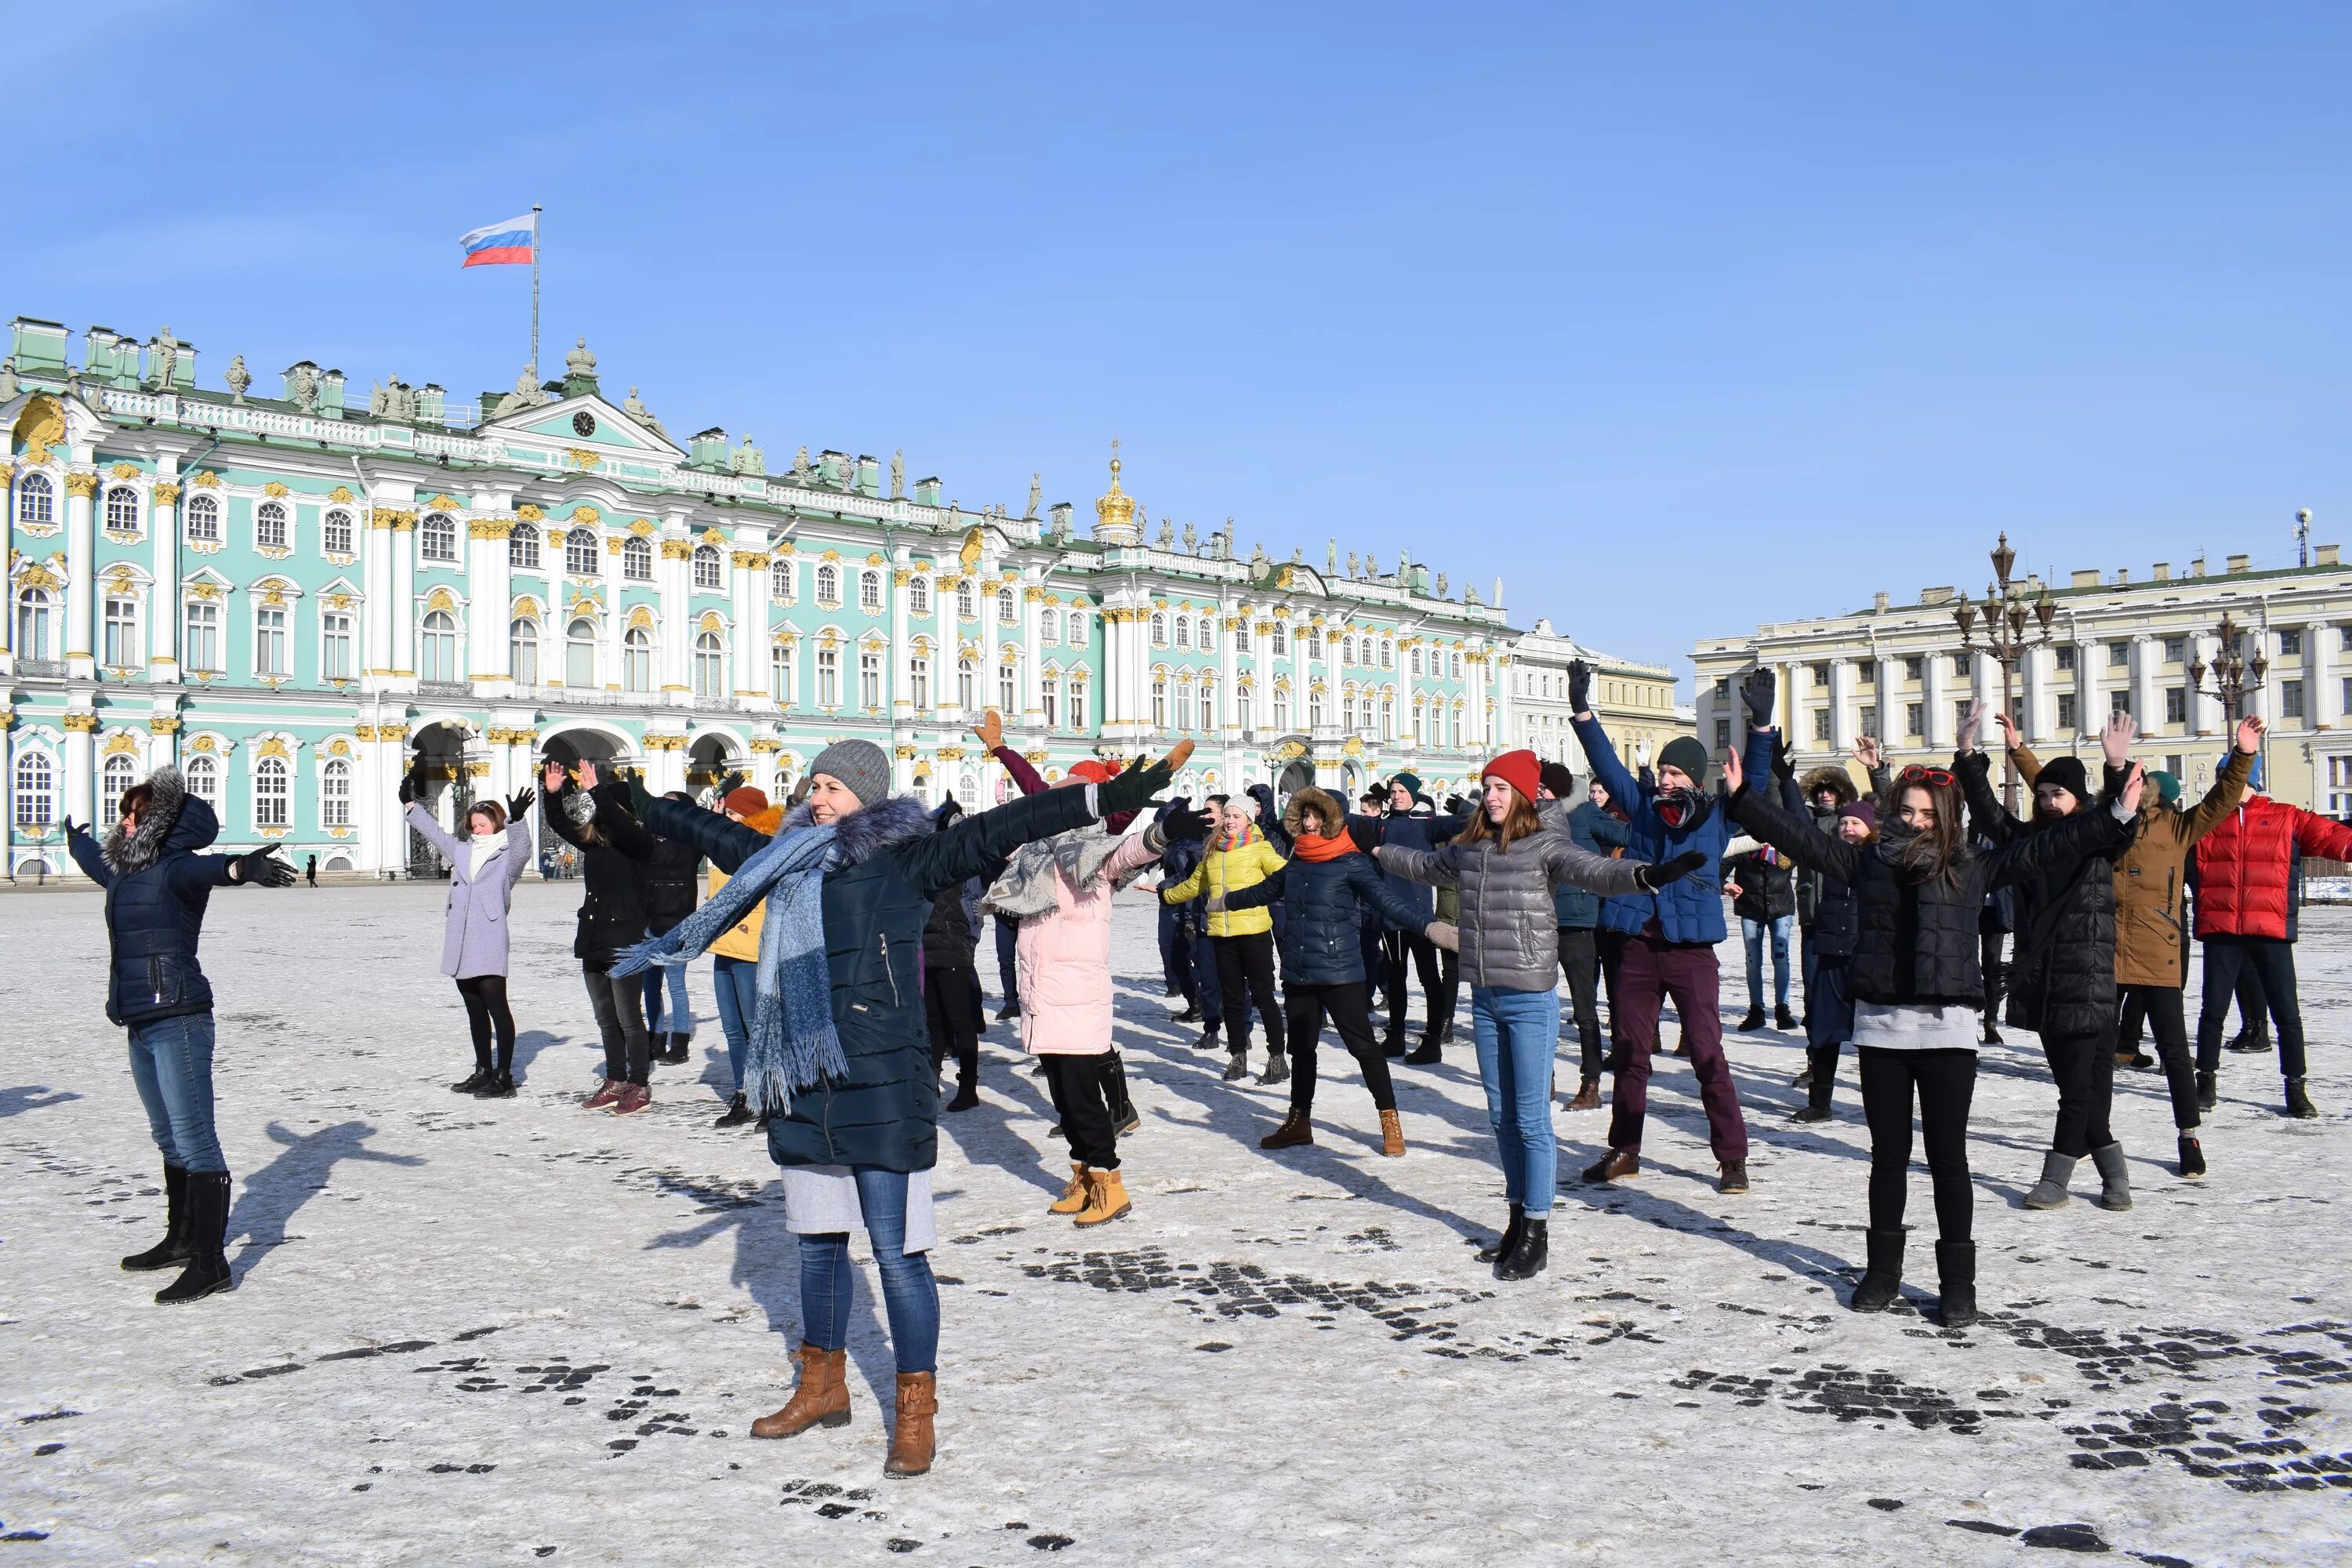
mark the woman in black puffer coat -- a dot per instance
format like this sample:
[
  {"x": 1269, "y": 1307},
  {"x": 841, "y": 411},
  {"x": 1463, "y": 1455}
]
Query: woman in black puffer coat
[
  {"x": 614, "y": 852},
  {"x": 673, "y": 885}
]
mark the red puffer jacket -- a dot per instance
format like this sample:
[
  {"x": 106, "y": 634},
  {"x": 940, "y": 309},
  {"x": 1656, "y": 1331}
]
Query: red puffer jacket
[{"x": 2245, "y": 866}]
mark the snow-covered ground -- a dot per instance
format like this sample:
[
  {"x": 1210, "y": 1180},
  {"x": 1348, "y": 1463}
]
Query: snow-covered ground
[{"x": 480, "y": 1331}]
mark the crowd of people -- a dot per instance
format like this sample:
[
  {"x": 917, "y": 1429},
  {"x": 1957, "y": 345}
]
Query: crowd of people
[{"x": 845, "y": 925}]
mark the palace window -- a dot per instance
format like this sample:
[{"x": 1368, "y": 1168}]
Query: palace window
[
  {"x": 269, "y": 527},
  {"x": 1005, "y": 608},
  {"x": 1281, "y": 710},
  {"x": 1183, "y": 704},
  {"x": 122, "y": 633},
  {"x": 918, "y": 683},
  {"x": 522, "y": 651},
  {"x": 966, "y": 607},
  {"x": 828, "y": 585},
  {"x": 2119, "y": 655},
  {"x": 437, "y": 536},
  {"x": 1963, "y": 666},
  {"x": 1914, "y": 666},
  {"x": 828, "y": 677},
  {"x": 1207, "y": 640},
  {"x": 1348, "y": 712},
  {"x": 967, "y": 678},
  {"x": 1159, "y": 701},
  {"x": 522, "y": 548},
  {"x": 1388, "y": 654},
  {"x": 2068, "y": 717},
  {"x": 1077, "y": 631},
  {"x": 637, "y": 559},
  {"x": 335, "y": 795},
  {"x": 269, "y": 793},
  {"x": 707, "y": 574},
  {"x": 710, "y": 667},
  {"x": 2175, "y": 705},
  {"x": 1241, "y": 637},
  {"x": 580, "y": 553},
  {"x": 2291, "y": 644},
  {"x": 580, "y": 654},
  {"x": 1049, "y": 698},
  {"x": 779, "y": 580},
  {"x": 869, "y": 592},
  {"x": 637, "y": 659},
  {"x": 122, "y": 509},
  {"x": 437, "y": 657},
  {"x": 1159, "y": 630},
  {"x": 1281, "y": 644},
  {"x": 1821, "y": 726},
  {"x": 869, "y": 680},
  {"x": 37, "y": 503},
  {"x": 202, "y": 776},
  {"x": 202, "y": 639},
  {"x": 204, "y": 518},
  {"x": 269, "y": 641},
  {"x": 781, "y": 685},
  {"x": 1208, "y": 703},
  {"x": 2291, "y": 699},
  {"x": 1078, "y": 703},
  {"x": 1008, "y": 697},
  {"x": 1314, "y": 708},
  {"x": 919, "y": 595},
  {"x": 335, "y": 535},
  {"x": 37, "y": 790},
  {"x": 2066, "y": 660},
  {"x": 1416, "y": 661},
  {"x": 1347, "y": 651},
  {"x": 1244, "y": 705},
  {"x": 115, "y": 781},
  {"x": 1049, "y": 626}
]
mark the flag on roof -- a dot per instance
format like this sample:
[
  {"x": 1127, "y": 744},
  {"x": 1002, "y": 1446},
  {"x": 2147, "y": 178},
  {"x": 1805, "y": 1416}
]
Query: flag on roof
[{"x": 503, "y": 244}]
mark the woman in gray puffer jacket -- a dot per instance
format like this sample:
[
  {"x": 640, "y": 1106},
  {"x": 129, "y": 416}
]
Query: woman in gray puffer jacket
[{"x": 1507, "y": 863}]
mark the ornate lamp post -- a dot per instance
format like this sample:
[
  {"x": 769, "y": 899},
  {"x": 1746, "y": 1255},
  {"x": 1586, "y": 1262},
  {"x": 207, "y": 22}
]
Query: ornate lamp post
[
  {"x": 2230, "y": 671},
  {"x": 2011, "y": 625}
]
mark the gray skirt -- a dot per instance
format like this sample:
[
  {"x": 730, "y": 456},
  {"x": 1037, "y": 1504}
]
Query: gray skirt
[{"x": 821, "y": 1200}]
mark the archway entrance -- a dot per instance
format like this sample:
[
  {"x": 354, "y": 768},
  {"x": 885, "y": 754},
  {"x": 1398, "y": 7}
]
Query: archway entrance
[
  {"x": 711, "y": 759},
  {"x": 448, "y": 789},
  {"x": 1297, "y": 775},
  {"x": 570, "y": 747}
]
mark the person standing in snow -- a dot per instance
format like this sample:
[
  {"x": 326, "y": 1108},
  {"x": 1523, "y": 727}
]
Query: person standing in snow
[
  {"x": 157, "y": 887},
  {"x": 735, "y": 955},
  {"x": 483, "y": 867},
  {"x": 948, "y": 939},
  {"x": 1239, "y": 857},
  {"x": 1594, "y": 831},
  {"x": 672, "y": 877},
  {"x": 595, "y": 819},
  {"x": 1829, "y": 952}
]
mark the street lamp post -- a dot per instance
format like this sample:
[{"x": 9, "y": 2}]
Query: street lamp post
[
  {"x": 2011, "y": 626},
  {"x": 2233, "y": 675}
]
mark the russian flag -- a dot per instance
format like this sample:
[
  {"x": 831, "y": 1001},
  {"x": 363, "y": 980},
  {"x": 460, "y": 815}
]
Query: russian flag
[{"x": 503, "y": 244}]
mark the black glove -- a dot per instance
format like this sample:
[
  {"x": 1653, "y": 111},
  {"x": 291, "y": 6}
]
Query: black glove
[
  {"x": 1783, "y": 767},
  {"x": 1263, "y": 793},
  {"x": 1757, "y": 691},
  {"x": 258, "y": 870},
  {"x": 1182, "y": 824},
  {"x": 72, "y": 827},
  {"x": 1456, "y": 805},
  {"x": 635, "y": 779},
  {"x": 734, "y": 781},
  {"x": 520, "y": 804},
  {"x": 1579, "y": 687},
  {"x": 1666, "y": 872},
  {"x": 1132, "y": 790}
]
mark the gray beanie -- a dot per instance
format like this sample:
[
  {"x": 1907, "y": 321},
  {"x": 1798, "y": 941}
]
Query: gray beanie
[{"x": 864, "y": 767}]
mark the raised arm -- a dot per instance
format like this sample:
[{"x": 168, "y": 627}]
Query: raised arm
[
  {"x": 722, "y": 841},
  {"x": 1024, "y": 778},
  {"x": 1988, "y": 819},
  {"x": 518, "y": 849},
  {"x": 2229, "y": 785},
  {"x": 444, "y": 842},
  {"x": 1795, "y": 836},
  {"x": 1624, "y": 791},
  {"x": 2058, "y": 847}
]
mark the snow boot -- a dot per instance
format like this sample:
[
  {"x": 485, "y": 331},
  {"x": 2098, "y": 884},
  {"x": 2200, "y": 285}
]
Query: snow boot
[
  {"x": 1123, "y": 1119},
  {"x": 1191, "y": 1015},
  {"x": 1395, "y": 1047},
  {"x": 1956, "y": 1277},
  {"x": 967, "y": 1098},
  {"x": 1209, "y": 1035},
  {"x": 1277, "y": 1069},
  {"x": 2192, "y": 1156},
  {"x": 2208, "y": 1092},
  {"x": 1106, "y": 1200},
  {"x": 2298, "y": 1103},
  {"x": 173, "y": 1247},
  {"x": 1528, "y": 1257},
  {"x": 1074, "y": 1196},
  {"x": 207, "y": 1271},
  {"x": 1782, "y": 1018},
  {"x": 821, "y": 1400},
  {"x": 1682, "y": 1043},
  {"x": 738, "y": 1112},
  {"x": 1392, "y": 1135},
  {"x": 2251, "y": 1042},
  {"x": 1748, "y": 1024},
  {"x": 911, "y": 1441},
  {"x": 1508, "y": 1239},
  {"x": 498, "y": 1086},
  {"x": 472, "y": 1083},
  {"x": 1237, "y": 1069},
  {"x": 1295, "y": 1129},
  {"x": 1882, "y": 1279},
  {"x": 1804, "y": 1079},
  {"x": 1991, "y": 1034},
  {"x": 1588, "y": 1095},
  {"x": 2114, "y": 1178},
  {"x": 2049, "y": 1193},
  {"x": 681, "y": 1048}
]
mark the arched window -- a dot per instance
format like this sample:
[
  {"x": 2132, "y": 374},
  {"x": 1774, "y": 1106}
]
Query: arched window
[
  {"x": 1184, "y": 704},
  {"x": 335, "y": 795},
  {"x": 202, "y": 642},
  {"x": 203, "y": 780},
  {"x": 637, "y": 659},
  {"x": 780, "y": 579},
  {"x": 36, "y": 501},
  {"x": 33, "y": 616},
  {"x": 1159, "y": 629},
  {"x": 1416, "y": 661},
  {"x": 1049, "y": 626},
  {"x": 122, "y": 509},
  {"x": 436, "y": 536},
  {"x": 1347, "y": 650},
  {"x": 37, "y": 790},
  {"x": 918, "y": 683},
  {"x": 269, "y": 793},
  {"x": 335, "y": 534},
  {"x": 522, "y": 651},
  {"x": 707, "y": 573},
  {"x": 580, "y": 553},
  {"x": 1159, "y": 699},
  {"x": 967, "y": 678},
  {"x": 966, "y": 607},
  {"x": 637, "y": 559},
  {"x": 270, "y": 649},
  {"x": 1388, "y": 715},
  {"x": 869, "y": 592},
  {"x": 1078, "y": 702},
  {"x": 1245, "y": 708},
  {"x": 204, "y": 518},
  {"x": 1005, "y": 609},
  {"x": 1242, "y": 636},
  {"x": 828, "y": 677},
  {"x": 1077, "y": 628},
  {"x": 1208, "y": 638},
  {"x": 522, "y": 548},
  {"x": 828, "y": 584},
  {"x": 439, "y": 654},
  {"x": 710, "y": 667},
  {"x": 580, "y": 654},
  {"x": 1008, "y": 693},
  {"x": 870, "y": 678},
  {"x": 1314, "y": 708},
  {"x": 115, "y": 779},
  {"x": 1388, "y": 654},
  {"x": 1281, "y": 639},
  {"x": 1348, "y": 712},
  {"x": 1281, "y": 709},
  {"x": 1208, "y": 703},
  {"x": 782, "y": 685},
  {"x": 919, "y": 595},
  {"x": 1184, "y": 631},
  {"x": 269, "y": 527}
]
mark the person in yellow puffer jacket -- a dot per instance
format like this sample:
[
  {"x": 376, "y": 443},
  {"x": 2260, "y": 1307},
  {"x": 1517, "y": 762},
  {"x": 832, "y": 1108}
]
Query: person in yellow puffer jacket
[
  {"x": 735, "y": 963},
  {"x": 1242, "y": 939}
]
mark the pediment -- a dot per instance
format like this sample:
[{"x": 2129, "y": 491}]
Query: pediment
[{"x": 587, "y": 422}]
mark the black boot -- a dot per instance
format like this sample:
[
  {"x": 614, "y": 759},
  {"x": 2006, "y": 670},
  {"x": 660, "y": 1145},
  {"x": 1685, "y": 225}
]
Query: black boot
[
  {"x": 1820, "y": 1079},
  {"x": 496, "y": 1086},
  {"x": 1956, "y": 1274},
  {"x": 207, "y": 1271},
  {"x": 967, "y": 1098},
  {"x": 1781, "y": 1018},
  {"x": 1124, "y": 1119},
  {"x": 1431, "y": 1052},
  {"x": 1509, "y": 1238},
  {"x": 680, "y": 1048},
  {"x": 1393, "y": 1046},
  {"x": 738, "y": 1112},
  {"x": 1750, "y": 1024},
  {"x": 173, "y": 1247},
  {"x": 2298, "y": 1103},
  {"x": 1527, "y": 1259},
  {"x": 2192, "y": 1157},
  {"x": 2208, "y": 1092},
  {"x": 472, "y": 1083},
  {"x": 1882, "y": 1281}
]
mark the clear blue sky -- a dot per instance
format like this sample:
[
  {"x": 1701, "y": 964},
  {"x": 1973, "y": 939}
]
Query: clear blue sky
[{"x": 1676, "y": 318}]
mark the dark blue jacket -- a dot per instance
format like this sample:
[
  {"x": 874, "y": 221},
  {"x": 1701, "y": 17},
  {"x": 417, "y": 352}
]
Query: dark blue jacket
[
  {"x": 1689, "y": 909},
  {"x": 876, "y": 902},
  {"x": 1321, "y": 901},
  {"x": 155, "y": 899},
  {"x": 1592, "y": 829}
]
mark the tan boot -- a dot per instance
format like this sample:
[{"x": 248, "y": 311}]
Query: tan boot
[
  {"x": 911, "y": 1444},
  {"x": 1392, "y": 1135},
  {"x": 1074, "y": 1196},
  {"x": 1107, "y": 1199},
  {"x": 821, "y": 1400}
]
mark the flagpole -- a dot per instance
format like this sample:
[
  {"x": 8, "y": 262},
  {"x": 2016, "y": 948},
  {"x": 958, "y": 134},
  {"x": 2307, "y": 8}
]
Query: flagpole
[{"x": 534, "y": 289}]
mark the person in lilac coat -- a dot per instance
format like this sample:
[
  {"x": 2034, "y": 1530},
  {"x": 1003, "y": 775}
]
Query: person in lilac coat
[{"x": 483, "y": 869}]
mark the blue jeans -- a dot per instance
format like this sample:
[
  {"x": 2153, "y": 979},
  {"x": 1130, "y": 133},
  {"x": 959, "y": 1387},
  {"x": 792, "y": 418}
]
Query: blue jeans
[
  {"x": 1752, "y": 933},
  {"x": 909, "y": 1295},
  {"x": 1517, "y": 1032},
  {"x": 681, "y": 1016},
  {"x": 736, "y": 982},
  {"x": 172, "y": 1063}
]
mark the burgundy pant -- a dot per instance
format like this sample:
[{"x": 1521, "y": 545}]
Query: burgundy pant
[{"x": 1650, "y": 971}]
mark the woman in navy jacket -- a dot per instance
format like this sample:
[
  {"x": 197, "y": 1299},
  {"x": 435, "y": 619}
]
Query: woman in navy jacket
[{"x": 156, "y": 890}]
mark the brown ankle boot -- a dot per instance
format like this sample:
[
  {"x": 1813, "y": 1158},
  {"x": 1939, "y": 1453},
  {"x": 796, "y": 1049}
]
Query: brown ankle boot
[
  {"x": 1074, "y": 1196},
  {"x": 911, "y": 1444},
  {"x": 1392, "y": 1135},
  {"x": 1106, "y": 1200},
  {"x": 1295, "y": 1129},
  {"x": 821, "y": 1400},
  {"x": 1588, "y": 1095}
]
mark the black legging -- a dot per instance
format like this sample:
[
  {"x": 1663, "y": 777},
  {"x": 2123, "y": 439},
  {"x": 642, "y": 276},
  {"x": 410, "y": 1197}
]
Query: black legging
[
  {"x": 1350, "y": 1009},
  {"x": 485, "y": 1008},
  {"x": 1989, "y": 963},
  {"x": 2160, "y": 1007},
  {"x": 2084, "y": 1067},
  {"x": 946, "y": 1007},
  {"x": 1945, "y": 1081},
  {"x": 1245, "y": 964},
  {"x": 620, "y": 1007}
]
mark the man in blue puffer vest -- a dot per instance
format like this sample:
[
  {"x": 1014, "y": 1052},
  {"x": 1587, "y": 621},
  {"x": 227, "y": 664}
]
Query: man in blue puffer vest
[{"x": 1669, "y": 935}]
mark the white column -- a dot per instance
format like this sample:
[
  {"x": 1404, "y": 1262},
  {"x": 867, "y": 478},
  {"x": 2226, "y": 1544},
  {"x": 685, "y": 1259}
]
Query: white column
[
  {"x": 1032, "y": 652},
  {"x": 747, "y": 568},
  {"x": 375, "y": 583},
  {"x": 1938, "y": 730},
  {"x": 402, "y": 607},
  {"x": 487, "y": 599},
  {"x": 79, "y": 760},
  {"x": 616, "y": 613},
  {"x": 164, "y": 602},
  {"x": 2263, "y": 701},
  {"x": 2148, "y": 697},
  {"x": 943, "y": 659},
  {"x": 2204, "y": 708},
  {"x": 674, "y": 581},
  {"x": 1229, "y": 671},
  {"x": 984, "y": 585},
  {"x": 82, "y": 566},
  {"x": 902, "y": 683},
  {"x": 2321, "y": 706},
  {"x": 2090, "y": 668},
  {"x": 2034, "y": 673},
  {"x": 1842, "y": 714}
]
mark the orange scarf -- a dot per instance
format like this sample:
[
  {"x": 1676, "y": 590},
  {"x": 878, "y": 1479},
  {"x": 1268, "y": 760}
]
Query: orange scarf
[{"x": 1315, "y": 847}]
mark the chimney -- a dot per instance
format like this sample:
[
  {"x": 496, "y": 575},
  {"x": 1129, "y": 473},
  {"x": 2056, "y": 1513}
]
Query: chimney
[
  {"x": 2241, "y": 562},
  {"x": 2164, "y": 571},
  {"x": 2086, "y": 578},
  {"x": 2123, "y": 576},
  {"x": 2324, "y": 555},
  {"x": 2197, "y": 567},
  {"x": 1878, "y": 602}
]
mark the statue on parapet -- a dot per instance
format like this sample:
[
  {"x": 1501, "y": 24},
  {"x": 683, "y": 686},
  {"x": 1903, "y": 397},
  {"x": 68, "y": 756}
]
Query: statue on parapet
[
  {"x": 526, "y": 395},
  {"x": 899, "y": 474},
  {"x": 1037, "y": 494}
]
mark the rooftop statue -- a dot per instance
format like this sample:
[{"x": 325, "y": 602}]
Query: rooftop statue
[
  {"x": 237, "y": 379},
  {"x": 1037, "y": 494},
  {"x": 1354, "y": 565},
  {"x": 1372, "y": 565},
  {"x": 9, "y": 386},
  {"x": 526, "y": 395},
  {"x": 1442, "y": 592},
  {"x": 899, "y": 473},
  {"x": 164, "y": 360},
  {"x": 800, "y": 465},
  {"x": 303, "y": 385},
  {"x": 1166, "y": 534},
  {"x": 1469, "y": 594},
  {"x": 643, "y": 415},
  {"x": 580, "y": 362},
  {"x": 1192, "y": 540}
]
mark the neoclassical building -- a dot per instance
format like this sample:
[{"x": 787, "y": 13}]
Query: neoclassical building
[{"x": 293, "y": 597}]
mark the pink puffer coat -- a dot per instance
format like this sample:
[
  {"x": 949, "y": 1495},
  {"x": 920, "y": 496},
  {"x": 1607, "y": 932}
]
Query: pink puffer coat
[{"x": 1065, "y": 962}]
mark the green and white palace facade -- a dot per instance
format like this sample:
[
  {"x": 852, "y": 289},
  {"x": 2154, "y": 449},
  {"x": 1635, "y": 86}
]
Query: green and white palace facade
[{"x": 293, "y": 598}]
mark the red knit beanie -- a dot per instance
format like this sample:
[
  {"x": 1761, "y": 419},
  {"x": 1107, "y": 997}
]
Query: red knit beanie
[
  {"x": 1093, "y": 771},
  {"x": 1523, "y": 771},
  {"x": 749, "y": 800}
]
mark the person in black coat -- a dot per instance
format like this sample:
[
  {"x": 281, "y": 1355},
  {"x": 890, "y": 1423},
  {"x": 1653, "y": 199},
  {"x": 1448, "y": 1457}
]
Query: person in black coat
[
  {"x": 593, "y": 818},
  {"x": 1829, "y": 947},
  {"x": 673, "y": 886},
  {"x": 157, "y": 887},
  {"x": 949, "y": 945}
]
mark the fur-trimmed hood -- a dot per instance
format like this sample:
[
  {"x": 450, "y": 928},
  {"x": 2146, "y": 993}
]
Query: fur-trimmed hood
[
  {"x": 893, "y": 819},
  {"x": 1323, "y": 803},
  {"x": 1835, "y": 779},
  {"x": 174, "y": 823}
]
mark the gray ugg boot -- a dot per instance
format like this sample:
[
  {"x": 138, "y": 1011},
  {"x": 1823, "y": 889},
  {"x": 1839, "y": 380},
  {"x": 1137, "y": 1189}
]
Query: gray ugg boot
[
  {"x": 2049, "y": 1193},
  {"x": 2114, "y": 1191}
]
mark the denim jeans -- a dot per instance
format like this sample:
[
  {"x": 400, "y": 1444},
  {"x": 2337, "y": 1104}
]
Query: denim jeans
[
  {"x": 681, "y": 1017},
  {"x": 172, "y": 1064},
  {"x": 910, "y": 1297},
  {"x": 1752, "y": 933},
  {"x": 736, "y": 982},
  {"x": 1517, "y": 1033}
]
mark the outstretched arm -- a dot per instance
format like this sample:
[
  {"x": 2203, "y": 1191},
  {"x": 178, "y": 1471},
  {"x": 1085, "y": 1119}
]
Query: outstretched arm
[
  {"x": 1260, "y": 893},
  {"x": 977, "y": 842},
  {"x": 1372, "y": 888},
  {"x": 1793, "y": 836},
  {"x": 1438, "y": 868},
  {"x": 2229, "y": 785},
  {"x": 1566, "y": 864},
  {"x": 725, "y": 843},
  {"x": 1625, "y": 792},
  {"x": 86, "y": 855},
  {"x": 444, "y": 842},
  {"x": 1987, "y": 816}
]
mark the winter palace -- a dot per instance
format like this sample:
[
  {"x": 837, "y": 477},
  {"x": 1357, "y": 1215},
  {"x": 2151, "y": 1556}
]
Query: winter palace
[{"x": 293, "y": 597}]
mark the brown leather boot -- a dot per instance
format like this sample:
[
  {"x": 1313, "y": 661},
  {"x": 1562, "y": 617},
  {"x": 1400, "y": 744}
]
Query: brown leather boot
[
  {"x": 1295, "y": 1129},
  {"x": 1106, "y": 1200},
  {"x": 821, "y": 1400},
  {"x": 1392, "y": 1135},
  {"x": 911, "y": 1444},
  {"x": 1588, "y": 1095},
  {"x": 1074, "y": 1196},
  {"x": 1613, "y": 1166}
]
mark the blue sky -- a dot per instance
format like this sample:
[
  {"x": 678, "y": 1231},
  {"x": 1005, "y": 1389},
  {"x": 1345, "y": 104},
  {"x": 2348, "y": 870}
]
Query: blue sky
[{"x": 1676, "y": 319}]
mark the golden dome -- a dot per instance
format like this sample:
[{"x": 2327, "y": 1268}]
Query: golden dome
[{"x": 1115, "y": 508}]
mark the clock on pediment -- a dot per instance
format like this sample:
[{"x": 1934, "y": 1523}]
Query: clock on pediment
[{"x": 584, "y": 423}]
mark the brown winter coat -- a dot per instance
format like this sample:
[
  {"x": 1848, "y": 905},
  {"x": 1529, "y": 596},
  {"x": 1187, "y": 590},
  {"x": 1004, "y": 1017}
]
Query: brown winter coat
[{"x": 2151, "y": 916}]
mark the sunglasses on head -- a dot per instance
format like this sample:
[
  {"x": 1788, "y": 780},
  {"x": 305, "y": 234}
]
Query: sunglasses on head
[{"x": 1917, "y": 775}]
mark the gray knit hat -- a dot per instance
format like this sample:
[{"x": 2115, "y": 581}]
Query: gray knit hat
[{"x": 864, "y": 767}]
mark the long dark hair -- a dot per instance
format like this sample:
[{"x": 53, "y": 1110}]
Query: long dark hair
[
  {"x": 1518, "y": 822},
  {"x": 1930, "y": 855}
]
